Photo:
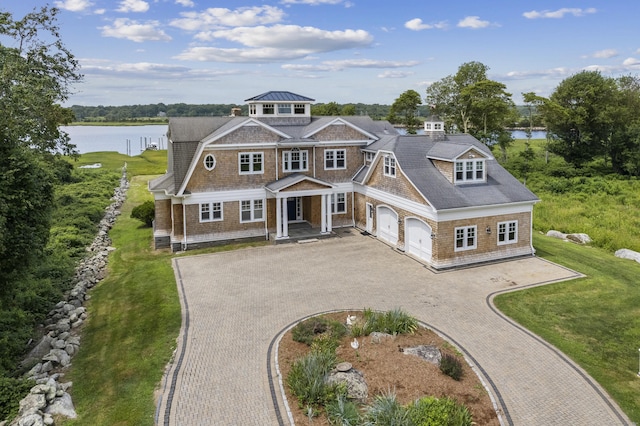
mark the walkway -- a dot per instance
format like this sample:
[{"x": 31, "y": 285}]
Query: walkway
[{"x": 236, "y": 303}]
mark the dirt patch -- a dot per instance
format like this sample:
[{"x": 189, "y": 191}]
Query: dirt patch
[{"x": 386, "y": 368}]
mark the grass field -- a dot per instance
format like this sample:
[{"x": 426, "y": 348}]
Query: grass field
[{"x": 594, "y": 320}]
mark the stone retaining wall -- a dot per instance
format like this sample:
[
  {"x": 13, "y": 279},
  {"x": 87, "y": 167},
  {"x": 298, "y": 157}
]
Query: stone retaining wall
[{"x": 50, "y": 357}]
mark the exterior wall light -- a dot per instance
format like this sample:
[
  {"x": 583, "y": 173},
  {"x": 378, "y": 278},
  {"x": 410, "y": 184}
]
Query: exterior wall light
[{"x": 488, "y": 230}]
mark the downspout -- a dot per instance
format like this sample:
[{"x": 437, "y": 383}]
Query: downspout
[
  {"x": 276, "y": 162},
  {"x": 266, "y": 218},
  {"x": 353, "y": 208},
  {"x": 314, "y": 161},
  {"x": 184, "y": 226},
  {"x": 533, "y": 249}
]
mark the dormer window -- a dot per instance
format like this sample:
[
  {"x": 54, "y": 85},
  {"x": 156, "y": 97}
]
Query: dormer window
[{"x": 470, "y": 171}]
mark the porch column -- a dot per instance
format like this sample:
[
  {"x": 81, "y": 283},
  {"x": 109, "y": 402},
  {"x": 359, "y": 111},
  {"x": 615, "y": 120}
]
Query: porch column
[
  {"x": 323, "y": 214},
  {"x": 278, "y": 218},
  {"x": 329, "y": 214},
  {"x": 285, "y": 218}
]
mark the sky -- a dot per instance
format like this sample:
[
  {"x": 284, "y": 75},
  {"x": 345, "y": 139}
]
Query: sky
[{"x": 345, "y": 51}]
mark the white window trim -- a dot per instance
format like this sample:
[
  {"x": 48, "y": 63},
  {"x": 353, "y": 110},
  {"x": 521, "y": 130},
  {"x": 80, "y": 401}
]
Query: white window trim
[
  {"x": 368, "y": 156},
  {"x": 474, "y": 163},
  {"x": 252, "y": 204},
  {"x": 390, "y": 165},
  {"x": 211, "y": 218},
  {"x": 335, "y": 159},
  {"x": 286, "y": 164},
  {"x": 270, "y": 107},
  {"x": 334, "y": 203},
  {"x": 204, "y": 162},
  {"x": 251, "y": 163},
  {"x": 299, "y": 109},
  {"x": 465, "y": 238},
  {"x": 506, "y": 232}
]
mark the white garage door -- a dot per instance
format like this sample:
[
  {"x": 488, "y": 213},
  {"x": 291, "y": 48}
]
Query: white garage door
[
  {"x": 387, "y": 225},
  {"x": 418, "y": 238}
]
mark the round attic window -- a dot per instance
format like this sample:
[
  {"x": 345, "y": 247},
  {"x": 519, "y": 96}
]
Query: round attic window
[{"x": 209, "y": 162}]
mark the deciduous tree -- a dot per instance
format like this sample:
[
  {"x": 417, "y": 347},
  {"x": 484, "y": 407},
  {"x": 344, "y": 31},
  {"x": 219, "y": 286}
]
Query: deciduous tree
[{"x": 404, "y": 110}]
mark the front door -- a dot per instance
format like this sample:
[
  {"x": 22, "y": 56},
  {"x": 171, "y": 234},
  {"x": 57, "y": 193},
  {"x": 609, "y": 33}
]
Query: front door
[
  {"x": 294, "y": 209},
  {"x": 369, "y": 227}
]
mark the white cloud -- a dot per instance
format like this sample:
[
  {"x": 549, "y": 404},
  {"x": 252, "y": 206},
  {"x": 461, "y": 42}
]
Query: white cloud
[
  {"x": 135, "y": 31},
  {"x": 605, "y": 54},
  {"x": 186, "y": 3},
  {"x": 73, "y": 5},
  {"x": 149, "y": 70},
  {"x": 133, "y": 6},
  {"x": 473, "y": 22},
  {"x": 340, "y": 65},
  {"x": 309, "y": 39},
  {"x": 100, "y": 11},
  {"x": 560, "y": 13},
  {"x": 214, "y": 54},
  {"x": 559, "y": 72},
  {"x": 217, "y": 18},
  {"x": 417, "y": 25},
  {"x": 631, "y": 62},
  {"x": 395, "y": 74}
]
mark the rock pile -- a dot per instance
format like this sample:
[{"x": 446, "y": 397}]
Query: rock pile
[{"x": 53, "y": 353}]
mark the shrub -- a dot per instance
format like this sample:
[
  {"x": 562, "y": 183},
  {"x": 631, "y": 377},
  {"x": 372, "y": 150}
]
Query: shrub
[
  {"x": 451, "y": 366},
  {"x": 306, "y": 380},
  {"x": 386, "y": 411},
  {"x": 342, "y": 412},
  {"x": 11, "y": 392},
  {"x": 395, "y": 321},
  {"x": 144, "y": 212},
  {"x": 308, "y": 330},
  {"x": 431, "y": 411}
]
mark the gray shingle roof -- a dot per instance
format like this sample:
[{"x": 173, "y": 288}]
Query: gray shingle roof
[
  {"x": 280, "y": 96},
  {"x": 501, "y": 187}
]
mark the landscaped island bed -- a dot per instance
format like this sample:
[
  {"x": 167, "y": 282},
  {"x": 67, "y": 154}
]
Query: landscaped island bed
[{"x": 387, "y": 369}]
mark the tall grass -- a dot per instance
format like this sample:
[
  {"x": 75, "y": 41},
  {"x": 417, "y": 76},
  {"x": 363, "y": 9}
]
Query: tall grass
[{"x": 587, "y": 200}]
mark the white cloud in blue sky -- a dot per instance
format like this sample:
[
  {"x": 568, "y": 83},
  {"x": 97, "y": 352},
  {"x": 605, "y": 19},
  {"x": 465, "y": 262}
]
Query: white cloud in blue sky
[{"x": 197, "y": 51}]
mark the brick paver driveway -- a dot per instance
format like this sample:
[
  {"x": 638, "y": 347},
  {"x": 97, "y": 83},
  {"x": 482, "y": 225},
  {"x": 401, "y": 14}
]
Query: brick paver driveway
[{"x": 236, "y": 303}]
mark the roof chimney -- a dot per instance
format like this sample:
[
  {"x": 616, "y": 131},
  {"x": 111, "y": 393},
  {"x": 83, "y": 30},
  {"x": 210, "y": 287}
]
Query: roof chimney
[
  {"x": 434, "y": 128},
  {"x": 236, "y": 112}
]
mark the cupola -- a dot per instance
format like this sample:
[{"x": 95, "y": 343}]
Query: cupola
[{"x": 280, "y": 108}]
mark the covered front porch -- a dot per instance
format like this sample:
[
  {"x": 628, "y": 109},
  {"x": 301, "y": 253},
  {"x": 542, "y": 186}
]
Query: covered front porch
[{"x": 303, "y": 207}]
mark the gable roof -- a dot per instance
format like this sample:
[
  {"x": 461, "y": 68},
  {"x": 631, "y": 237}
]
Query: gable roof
[
  {"x": 280, "y": 96},
  {"x": 293, "y": 179}
]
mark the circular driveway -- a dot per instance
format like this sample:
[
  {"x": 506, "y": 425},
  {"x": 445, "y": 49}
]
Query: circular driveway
[{"x": 235, "y": 303}]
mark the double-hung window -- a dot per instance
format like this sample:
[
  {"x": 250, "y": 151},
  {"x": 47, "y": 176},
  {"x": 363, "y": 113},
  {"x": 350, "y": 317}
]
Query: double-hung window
[
  {"x": 251, "y": 211},
  {"x": 470, "y": 171},
  {"x": 339, "y": 203},
  {"x": 507, "y": 232},
  {"x": 389, "y": 166},
  {"x": 210, "y": 212},
  {"x": 335, "y": 159},
  {"x": 466, "y": 238},
  {"x": 295, "y": 160},
  {"x": 250, "y": 163},
  {"x": 368, "y": 156}
]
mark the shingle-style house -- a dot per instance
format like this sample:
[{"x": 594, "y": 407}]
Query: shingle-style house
[{"x": 441, "y": 198}]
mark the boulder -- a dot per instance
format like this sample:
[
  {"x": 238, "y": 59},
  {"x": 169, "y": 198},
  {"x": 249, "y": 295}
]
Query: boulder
[
  {"x": 628, "y": 254},
  {"x": 32, "y": 403},
  {"x": 62, "y": 406},
  {"x": 579, "y": 238},
  {"x": 378, "y": 337},
  {"x": 357, "y": 388},
  {"x": 556, "y": 234},
  {"x": 427, "y": 352}
]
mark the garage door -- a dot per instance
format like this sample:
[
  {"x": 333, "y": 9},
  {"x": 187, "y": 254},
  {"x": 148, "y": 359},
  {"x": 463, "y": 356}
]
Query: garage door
[
  {"x": 418, "y": 238},
  {"x": 387, "y": 225}
]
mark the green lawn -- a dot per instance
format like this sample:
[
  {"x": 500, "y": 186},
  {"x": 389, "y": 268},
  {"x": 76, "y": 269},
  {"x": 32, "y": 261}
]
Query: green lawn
[{"x": 594, "y": 320}]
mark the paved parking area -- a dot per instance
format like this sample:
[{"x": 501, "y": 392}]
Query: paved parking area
[{"x": 236, "y": 303}]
